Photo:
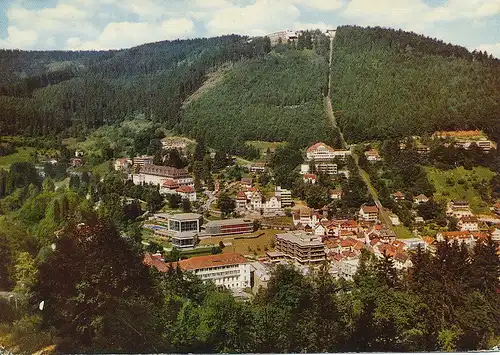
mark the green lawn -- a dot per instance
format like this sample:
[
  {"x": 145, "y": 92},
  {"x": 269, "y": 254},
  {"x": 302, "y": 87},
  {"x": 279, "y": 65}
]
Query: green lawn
[
  {"x": 402, "y": 232},
  {"x": 23, "y": 154},
  {"x": 458, "y": 184}
]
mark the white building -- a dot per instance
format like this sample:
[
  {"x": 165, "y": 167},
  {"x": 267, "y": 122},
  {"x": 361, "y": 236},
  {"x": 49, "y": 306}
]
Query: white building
[
  {"x": 187, "y": 192},
  {"x": 122, "y": 163},
  {"x": 305, "y": 217},
  {"x": 468, "y": 223},
  {"x": 394, "y": 220},
  {"x": 372, "y": 155},
  {"x": 229, "y": 270},
  {"x": 285, "y": 196},
  {"x": 183, "y": 229},
  {"x": 272, "y": 205},
  {"x": 368, "y": 213},
  {"x": 348, "y": 268},
  {"x": 323, "y": 152},
  {"x": 142, "y": 160},
  {"x": 157, "y": 175}
]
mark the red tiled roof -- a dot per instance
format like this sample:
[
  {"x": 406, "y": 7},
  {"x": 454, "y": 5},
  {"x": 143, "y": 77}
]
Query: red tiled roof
[
  {"x": 349, "y": 242},
  {"x": 429, "y": 240},
  {"x": 369, "y": 209},
  {"x": 170, "y": 183},
  {"x": 310, "y": 176},
  {"x": 185, "y": 189},
  {"x": 201, "y": 262},
  {"x": 241, "y": 196},
  {"x": 150, "y": 260},
  {"x": 317, "y": 145}
]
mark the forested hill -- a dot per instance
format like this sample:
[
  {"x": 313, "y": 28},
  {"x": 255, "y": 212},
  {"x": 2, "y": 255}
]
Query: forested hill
[
  {"x": 388, "y": 83},
  {"x": 44, "y": 92}
]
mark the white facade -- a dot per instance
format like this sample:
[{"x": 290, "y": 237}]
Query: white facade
[
  {"x": 321, "y": 152},
  {"x": 348, "y": 268},
  {"x": 285, "y": 196},
  {"x": 272, "y": 205},
  {"x": 234, "y": 277}
]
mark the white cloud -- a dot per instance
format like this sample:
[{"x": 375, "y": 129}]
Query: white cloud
[
  {"x": 322, "y": 5},
  {"x": 312, "y": 26},
  {"x": 118, "y": 35},
  {"x": 18, "y": 39},
  {"x": 491, "y": 48},
  {"x": 258, "y": 18}
]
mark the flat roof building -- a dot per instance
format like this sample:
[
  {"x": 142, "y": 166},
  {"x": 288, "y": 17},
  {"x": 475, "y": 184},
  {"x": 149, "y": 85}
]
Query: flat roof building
[
  {"x": 229, "y": 226},
  {"x": 301, "y": 247}
]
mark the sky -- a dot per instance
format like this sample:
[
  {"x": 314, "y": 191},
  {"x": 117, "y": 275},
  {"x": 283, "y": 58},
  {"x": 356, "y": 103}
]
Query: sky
[{"x": 114, "y": 24}]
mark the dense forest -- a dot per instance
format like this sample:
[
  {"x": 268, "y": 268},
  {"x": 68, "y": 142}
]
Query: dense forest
[
  {"x": 73, "y": 93},
  {"x": 274, "y": 98},
  {"x": 388, "y": 83}
]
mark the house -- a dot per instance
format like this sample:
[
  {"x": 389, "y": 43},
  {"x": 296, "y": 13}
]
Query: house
[
  {"x": 256, "y": 201},
  {"x": 186, "y": 192},
  {"x": 321, "y": 167},
  {"x": 284, "y": 195},
  {"x": 173, "y": 143},
  {"x": 348, "y": 268},
  {"x": 320, "y": 230},
  {"x": 76, "y": 162},
  {"x": 305, "y": 217},
  {"x": 372, "y": 155},
  {"x": 142, "y": 160},
  {"x": 122, "y": 163},
  {"x": 257, "y": 167},
  {"x": 466, "y": 237},
  {"x": 259, "y": 275},
  {"x": 368, "y": 213},
  {"x": 229, "y": 226},
  {"x": 495, "y": 234},
  {"x": 169, "y": 186},
  {"x": 301, "y": 247},
  {"x": 398, "y": 196},
  {"x": 310, "y": 178},
  {"x": 247, "y": 182},
  {"x": 496, "y": 208},
  {"x": 336, "y": 194},
  {"x": 228, "y": 270},
  {"x": 241, "y": 201},
  {"x": 420, "y": 199},
  {"x": 468, "y": 223},
  {"x": 394, "y": 220},
  {"x": 157, "y": 175},
  {"x": 458, "y": 209},
  {"x": 272, "y": 205}
]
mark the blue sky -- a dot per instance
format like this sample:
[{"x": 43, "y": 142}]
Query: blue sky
[{"x": 111, "y": 24}]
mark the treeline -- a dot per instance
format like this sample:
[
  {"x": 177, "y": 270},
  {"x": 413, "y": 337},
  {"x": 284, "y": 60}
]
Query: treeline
[
  {"x": 388, "y": 83},
  {"x": 272, "y": 98},
  {"x": 99, "y": 297},
  {"x": 152, "y": 79}
]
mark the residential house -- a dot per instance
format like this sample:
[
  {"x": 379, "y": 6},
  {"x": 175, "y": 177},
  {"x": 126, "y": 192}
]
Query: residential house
[
  {"x": 398, "y": 196},
  {"x": 305, "y": 217},
  {"x": 256, "y": 201},
  {"x": 241, "y": 201},
  {"x": 336, "y": 194},
  {"x": 310, "y": 178},
  {"x": 496, "y": 208},
  {"x": 169, "y": 186},
  {"x": 420, "y": 199},
  {"x": 258, "y": 168},
  {"x": 260, "y": 274},
  {"x": 394, "y": 219},
  {"x": 247, "y": 182},
  {"x": 459, "y": 209},
  {"x": 372, "y": 155},
  {"x": 301, "y": 247},
  {"x": 272, "y": 205},
  {"x": 495, "y": 234},
  {"x": 76, "y": 162},
  {"x": 187, "y": 192},
  {"x": 122, "y": 163},
  {"x": 368, "y": 213},
  {"x": 468, "y": 223},
  {"x": 348, "y": 268},
  {"x": 466, "y": 237}
]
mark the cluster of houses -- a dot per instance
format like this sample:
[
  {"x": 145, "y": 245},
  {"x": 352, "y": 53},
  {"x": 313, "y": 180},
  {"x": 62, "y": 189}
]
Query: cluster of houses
[
  {"x": 251, "y": 199},
  {"x": 459, "y": 139}
]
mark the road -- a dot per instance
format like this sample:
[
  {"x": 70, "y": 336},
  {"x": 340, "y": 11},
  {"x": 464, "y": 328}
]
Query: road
[
  {"x": 211, "y": 199},
  {"x": 364, "y": 176}
]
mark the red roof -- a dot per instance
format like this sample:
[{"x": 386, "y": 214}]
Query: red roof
[
  {"x": 310, "y": 176},
  {"x": 170, "y": 183},
  {"x": 317, "y": 145},
  {"x": 185, "y": 189},
  {"x": 207, "y": 261},
  {"x": 150, "y": 260},
  {"x": 241, "y": 196},
  {"x": 369, "y": 209},
  {"x": 349, "y": 242}
]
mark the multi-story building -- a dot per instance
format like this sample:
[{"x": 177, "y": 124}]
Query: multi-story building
[
  {"x": 272, "y": 205},
  {"x": 348, "y": 268},
  {"x": 122, "y": 163},
  {"x": 372, "y": 155},
  {"x": 228, "y": 270},
  {"x": 301, "y": 247},
  {"x": 468, "y": 223},
  {"x": 187, "y": 192},
  {"x": 459, "y": 209},
  {"x": 157, "y": 175},
  {"x": 142, "y": 160},
  {"x": 228, "y": 226},
  {"x": 322, "y": 152},
  {"x": 183, "y": 229},
  {"x": 285, "y": 196},
  {"x": 282, "y": 37},
  {"x": 305, "y": 217},
  {"x": 257, "y": 167},
  {"x": 368, "y": 213}
]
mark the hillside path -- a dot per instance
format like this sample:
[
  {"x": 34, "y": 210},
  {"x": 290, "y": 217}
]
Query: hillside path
[{"x": 384, "y": 215}]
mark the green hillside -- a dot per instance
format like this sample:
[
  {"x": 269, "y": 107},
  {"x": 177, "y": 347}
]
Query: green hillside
[
  {"x": 389, "y": 83},
  {"x": 274, "y": 98}
]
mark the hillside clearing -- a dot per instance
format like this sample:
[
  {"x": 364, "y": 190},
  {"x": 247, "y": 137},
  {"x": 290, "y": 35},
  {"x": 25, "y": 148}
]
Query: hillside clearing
[
  {"x": 459, "y": 184},
  {"x": 23, "y": 154}
]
